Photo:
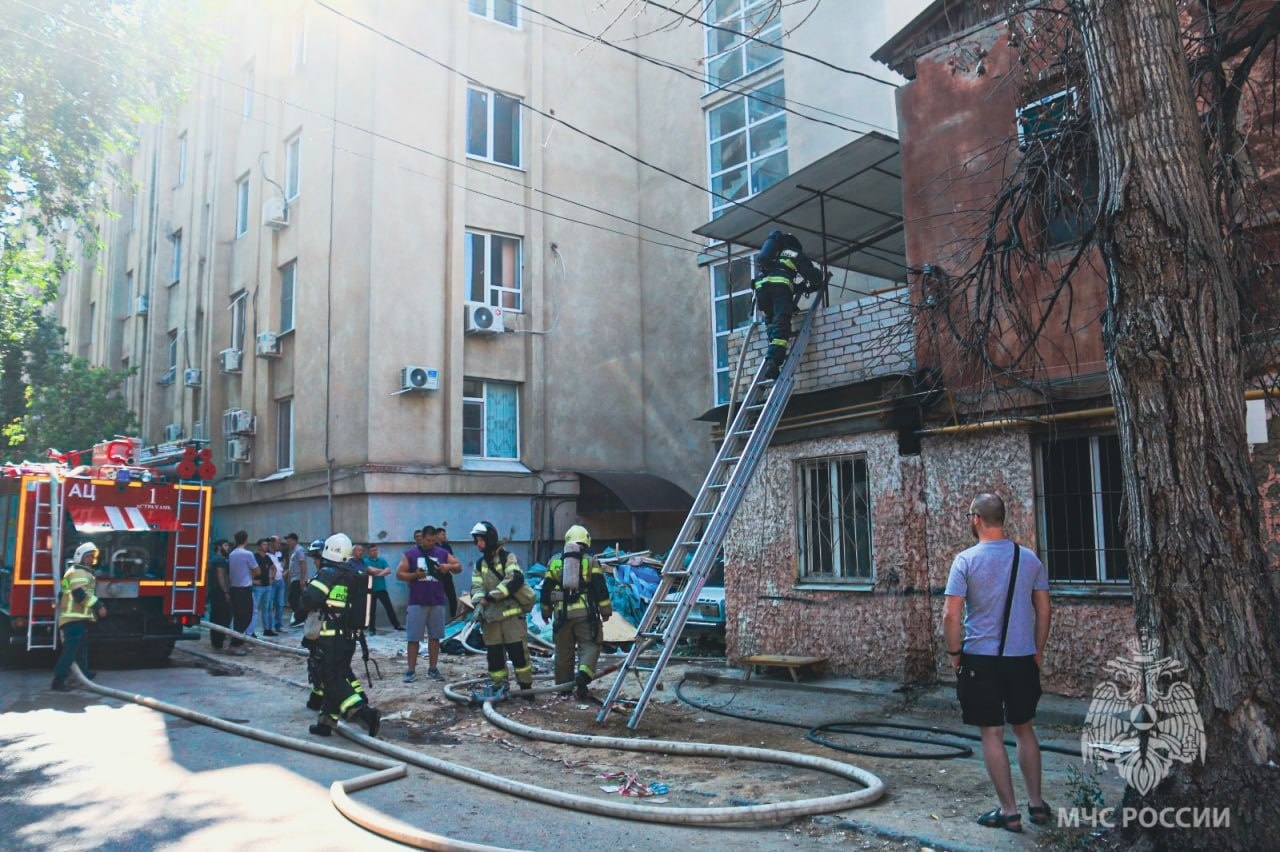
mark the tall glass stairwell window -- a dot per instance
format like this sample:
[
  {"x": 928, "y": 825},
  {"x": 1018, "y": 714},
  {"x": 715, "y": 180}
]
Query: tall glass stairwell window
[
  {"x": 742, "y": 37},
  {"x": 747, "y": 140},
  {"x": 731, "y": 309}
]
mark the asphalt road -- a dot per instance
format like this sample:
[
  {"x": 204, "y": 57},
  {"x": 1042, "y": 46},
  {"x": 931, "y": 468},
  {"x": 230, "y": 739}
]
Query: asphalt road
[{"x": 81, "y": 771}]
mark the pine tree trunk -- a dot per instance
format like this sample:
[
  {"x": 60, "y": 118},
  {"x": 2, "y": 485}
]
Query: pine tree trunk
[{"x": 1201, "y": 583}]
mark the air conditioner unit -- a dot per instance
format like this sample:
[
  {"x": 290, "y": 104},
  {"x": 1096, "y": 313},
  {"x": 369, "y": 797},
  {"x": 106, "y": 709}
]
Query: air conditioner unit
[
  {"x": 142, "y": 305},
  {"x": 230, "y": 360},
  {"x": 168, "y": 376},
  {"x": 419, "y": 378},
  {"x": 268, "y": 345},
  {"x": 237, "y": 421},
  {"x": 482, "y": 319},
  {"x": 239, "y": 449},
  {"x": 173, "y": 432},
  {"x": 275, "y": 214},
  {"x": 193, "y": 377}
]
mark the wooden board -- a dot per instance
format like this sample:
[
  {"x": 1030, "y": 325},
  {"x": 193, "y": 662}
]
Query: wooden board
[{"x": 791, "y": 663}]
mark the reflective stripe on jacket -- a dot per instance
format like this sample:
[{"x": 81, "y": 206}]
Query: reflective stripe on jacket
[
  {"x": 68, "y": 608},
  {"x": 485, "y": 580},
  {"x": 592, "y": 588}
]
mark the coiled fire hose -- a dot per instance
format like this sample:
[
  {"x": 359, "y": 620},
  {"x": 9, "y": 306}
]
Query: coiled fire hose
[{"x": 385, "y": 770}]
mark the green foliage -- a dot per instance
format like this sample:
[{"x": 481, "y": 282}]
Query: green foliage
[
  {"x": 79, "y": 407},
  {"x": 76, "y": 78}
]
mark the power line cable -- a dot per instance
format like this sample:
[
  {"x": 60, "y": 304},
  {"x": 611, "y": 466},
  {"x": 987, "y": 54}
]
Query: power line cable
[
  {"x": 731, "y": 86},
  {"x": 790, "y": 50},
  {"x": 384, "y": 137}
]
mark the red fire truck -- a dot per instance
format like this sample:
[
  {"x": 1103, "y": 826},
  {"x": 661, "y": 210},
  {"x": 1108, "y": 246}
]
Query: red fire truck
[{"x": 148, "y": 513}]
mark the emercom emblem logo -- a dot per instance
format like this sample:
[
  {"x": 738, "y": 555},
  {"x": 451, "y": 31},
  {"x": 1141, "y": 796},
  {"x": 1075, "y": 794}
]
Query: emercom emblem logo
[{"x": 1144, "y": 719}]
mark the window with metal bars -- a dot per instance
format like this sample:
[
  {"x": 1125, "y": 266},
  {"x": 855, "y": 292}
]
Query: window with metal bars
[
  {"x": 834, "y": 506},
  {"x": 1078, "y": 497}
]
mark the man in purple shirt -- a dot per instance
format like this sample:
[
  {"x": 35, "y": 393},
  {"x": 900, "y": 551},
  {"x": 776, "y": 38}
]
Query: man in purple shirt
[{"x": 424, "y": 567}]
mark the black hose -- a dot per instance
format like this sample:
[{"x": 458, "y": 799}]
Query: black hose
[
  {"x": 958, "y": 749},
  {"x": 837, "y": 727}
]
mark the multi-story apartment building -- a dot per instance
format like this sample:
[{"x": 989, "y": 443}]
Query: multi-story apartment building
[{"x": 401, "y": 267}]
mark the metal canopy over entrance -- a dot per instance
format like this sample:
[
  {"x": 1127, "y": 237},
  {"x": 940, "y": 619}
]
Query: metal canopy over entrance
[
  {"x": 846, "y": 210},
  {"x": 604, "y": 491}
]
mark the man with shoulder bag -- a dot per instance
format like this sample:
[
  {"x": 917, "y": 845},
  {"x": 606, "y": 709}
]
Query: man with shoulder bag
[{"x": 995, "y": 625}]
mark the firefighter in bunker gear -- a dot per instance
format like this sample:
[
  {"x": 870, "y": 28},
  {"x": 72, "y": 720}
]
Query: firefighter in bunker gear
[
  {"x": 337, "y": 594},
  {"x": 494, "y": 583},
  {"x": 780, "y": 262},
  {"x": 78, "y": 606},
  {"x": 575, "y": 595},
  {"x": 315, "y": 699}
]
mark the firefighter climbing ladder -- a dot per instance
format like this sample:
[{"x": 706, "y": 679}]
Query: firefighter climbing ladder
[
  {"x": 42, "y": 630},
  {"x": 704, "y": 530},
  {"x": 190, "y": 511}
]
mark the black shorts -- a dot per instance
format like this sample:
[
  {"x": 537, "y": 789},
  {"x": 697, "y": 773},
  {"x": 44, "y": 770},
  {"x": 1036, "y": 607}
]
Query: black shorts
[{"x": 996, "y": 690}]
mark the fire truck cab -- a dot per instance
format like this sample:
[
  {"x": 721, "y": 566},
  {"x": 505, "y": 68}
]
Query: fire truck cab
[{"x": 152, "y": 533}]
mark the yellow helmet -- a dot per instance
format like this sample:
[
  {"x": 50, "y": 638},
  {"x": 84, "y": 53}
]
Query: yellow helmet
[{"x": 577, "y": 534}]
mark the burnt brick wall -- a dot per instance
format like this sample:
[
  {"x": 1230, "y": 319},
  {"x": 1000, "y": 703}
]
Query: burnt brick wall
[{"x": 857, "y": 340}]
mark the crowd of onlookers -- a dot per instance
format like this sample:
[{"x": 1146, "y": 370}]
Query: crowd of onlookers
[{"x": 254, "y": 588}]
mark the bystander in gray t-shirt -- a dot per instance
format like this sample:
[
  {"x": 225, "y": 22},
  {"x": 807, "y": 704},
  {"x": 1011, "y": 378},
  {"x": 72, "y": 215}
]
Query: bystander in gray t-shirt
[{"x": 980, "y": 575}]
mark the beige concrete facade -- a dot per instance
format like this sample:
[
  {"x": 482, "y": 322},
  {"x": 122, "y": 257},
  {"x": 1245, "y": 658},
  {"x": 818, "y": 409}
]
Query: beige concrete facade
[{"x": 610, "y": 354}]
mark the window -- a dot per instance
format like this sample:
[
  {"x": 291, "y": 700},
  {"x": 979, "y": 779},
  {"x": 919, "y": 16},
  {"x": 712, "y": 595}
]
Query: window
[
  {"x": 490, "y": 420},
  {"x": 748, "y": 145},
  {"x": 493, "y": 127},
  {"x": 1078, "y": 498},
  {"x": 175, "y": 274},
  {"x": 182, "y": 159},
  {"x": 237, "y": 308},
  {"x": 502, "y": 11},
  {"x": 731, "y": 301},
  {"x": 246, "y": 100},
  {"x": 242, "y": 206},
  {"x": 128, "y": 293},
  {"x": 133, "y": 212},
  {"x": 288, "y": 274},
  {"x": 835, "y": 520},
  {"x": 730, "y": 53},
  {"x": 93, "y": 324},
  {"x": 292, "y": 166},
  {"x": 492, "y": 270},
  {"x": 1054, "y": 129},
  {"x": 298, "y": 45},
  {"x": 284, "y": 434},
  {"x": 172, "y": 351}
]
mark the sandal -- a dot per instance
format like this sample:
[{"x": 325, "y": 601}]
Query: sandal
[
  {"x": 995, "y": 819},
  {"x": 1040, "y": 815}
]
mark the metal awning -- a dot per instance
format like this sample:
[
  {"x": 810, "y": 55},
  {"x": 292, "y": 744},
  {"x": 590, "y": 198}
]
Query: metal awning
[
  {"x": 96, "y": 519},
  {"x": 607, "y": 491},
  {"x": 853, "y": 196}
]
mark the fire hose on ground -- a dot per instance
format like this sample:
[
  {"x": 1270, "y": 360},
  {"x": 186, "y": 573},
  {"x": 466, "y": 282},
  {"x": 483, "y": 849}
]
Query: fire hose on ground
[{"x": 386, "y": 770}]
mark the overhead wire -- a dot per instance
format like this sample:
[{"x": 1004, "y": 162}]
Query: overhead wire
[
  {"x": 695, "y": 244},
  {"x": 791, "y": 50},
  {"x": 731, "y": 87}
]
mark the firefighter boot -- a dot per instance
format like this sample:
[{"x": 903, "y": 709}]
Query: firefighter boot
[
  {"x": 526, "y": 694},
  {"x": 315, "y": 701},
  {"x": 371, "y": 718},
  {"x": 323, "y": 726},
  {"x": 580, "y": 686}
]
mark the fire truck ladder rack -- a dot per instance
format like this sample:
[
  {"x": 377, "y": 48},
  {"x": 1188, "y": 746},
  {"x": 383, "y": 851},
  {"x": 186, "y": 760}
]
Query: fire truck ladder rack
[
  {"x": 186, "y": 548},
  {"x": 704, "y": 530},
  {"x": 42, "y": 630}
]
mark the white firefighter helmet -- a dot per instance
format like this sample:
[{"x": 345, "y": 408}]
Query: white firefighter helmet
[
  {"x": 87, "y": 547},
  {"x": 337, "y": 548},
  {"x": 577, "y": 534}
]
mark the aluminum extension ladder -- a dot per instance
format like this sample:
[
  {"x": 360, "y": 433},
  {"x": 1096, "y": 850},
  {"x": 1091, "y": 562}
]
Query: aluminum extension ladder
[
  {"x": 42, "y": 630},
  {"x": 704, "y": 530},
  {"x": 187, "y": 550}
]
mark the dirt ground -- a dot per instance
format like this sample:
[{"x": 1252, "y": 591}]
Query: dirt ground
[{"x": 929, "y": 803}]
